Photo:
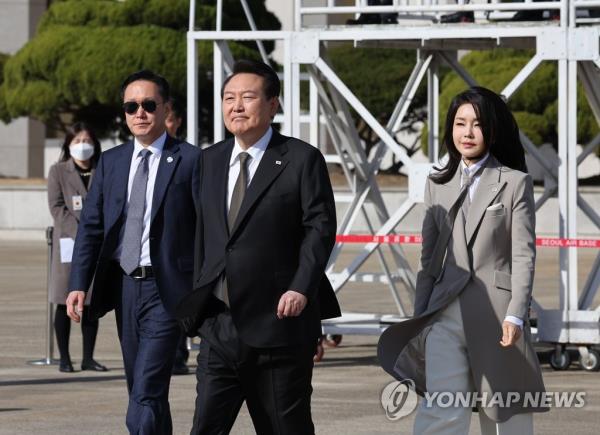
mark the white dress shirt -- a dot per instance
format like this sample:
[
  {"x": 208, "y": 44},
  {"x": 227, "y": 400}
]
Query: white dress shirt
[
  {"x": 256, "y": 151},
  {"x": 468, "y": 171},
  {"x": 155, "y": 149}
]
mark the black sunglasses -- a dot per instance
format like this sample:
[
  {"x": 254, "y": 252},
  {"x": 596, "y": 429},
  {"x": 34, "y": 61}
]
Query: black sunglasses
[{"x": 132, "y": 107}]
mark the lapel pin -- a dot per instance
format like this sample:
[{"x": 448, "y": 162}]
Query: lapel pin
[
  {"x": 494, "y": 189},
  {"x": 169, "y": 159},
  {"x": 278, "y": 162}
]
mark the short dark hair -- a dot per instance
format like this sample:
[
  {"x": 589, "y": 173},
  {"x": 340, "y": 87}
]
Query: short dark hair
[
  {"x": 178, "y": 110},
  {"x": 149, "y": 76},
  {"x": 272, "y": 85},
  {"x": 73, "y": 131},
  {"x": 499, "y": 128}
]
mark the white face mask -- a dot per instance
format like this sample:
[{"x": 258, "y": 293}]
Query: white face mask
[{"x": 81, "y": 151}]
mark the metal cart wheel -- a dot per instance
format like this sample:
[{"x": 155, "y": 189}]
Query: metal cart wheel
[
  {"x": 591, "y": 361},
  {"x": 560, "y": 360}
]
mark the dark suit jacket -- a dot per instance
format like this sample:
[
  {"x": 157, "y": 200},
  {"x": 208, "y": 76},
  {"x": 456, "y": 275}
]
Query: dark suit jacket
[
  {"x": 282, "y": 239},
  {"x": 173, "y": 218}
]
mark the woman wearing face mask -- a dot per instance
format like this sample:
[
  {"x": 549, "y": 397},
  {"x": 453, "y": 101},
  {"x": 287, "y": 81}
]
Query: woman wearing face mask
[
  {"x": 470, "y": 335},
  {"x": 68, "y": 183}
]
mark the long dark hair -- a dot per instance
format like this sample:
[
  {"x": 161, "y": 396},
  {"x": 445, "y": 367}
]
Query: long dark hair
[
  {"x": 499, "y": 128},
  {"x": 74, "y": 131}
]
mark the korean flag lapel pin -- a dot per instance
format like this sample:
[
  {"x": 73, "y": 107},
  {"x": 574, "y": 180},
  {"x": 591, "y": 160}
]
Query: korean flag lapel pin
[
  {"x": 278, "y": 162},
  {"x": 169, "y": 159}
]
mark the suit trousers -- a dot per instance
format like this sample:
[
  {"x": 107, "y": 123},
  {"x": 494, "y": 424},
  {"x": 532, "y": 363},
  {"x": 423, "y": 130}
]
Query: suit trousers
[
  {"x": 148, "y": 336},
  {"x": 447, "y": 369},
  {"x": 275, "y": 382}
]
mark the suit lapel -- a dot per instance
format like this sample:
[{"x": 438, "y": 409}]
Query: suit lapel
[
  {"x": 488, "y": 188},
  {"x": 221, "y": 179},
  {"x": 119, "y": 178},
  {"x": 169, "y": 160},
  {"x": 270, "y": 166}
]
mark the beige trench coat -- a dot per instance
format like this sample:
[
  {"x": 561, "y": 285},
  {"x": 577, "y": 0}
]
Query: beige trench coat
[
  {"x": 64, "y": 183},
  {"x": 491, "y": 273}
]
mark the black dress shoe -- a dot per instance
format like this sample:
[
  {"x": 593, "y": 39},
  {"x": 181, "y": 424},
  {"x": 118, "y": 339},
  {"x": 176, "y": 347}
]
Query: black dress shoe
[
  {"x": 66, "y": 367},
  {"x": 93, "y": 365},
  {"x": 180, "y": 368},
  {"x": 458, "y": 17}
]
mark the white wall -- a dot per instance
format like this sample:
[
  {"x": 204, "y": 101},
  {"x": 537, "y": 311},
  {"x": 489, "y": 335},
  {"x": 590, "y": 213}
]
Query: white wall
[{"x": 24, "y": 212}]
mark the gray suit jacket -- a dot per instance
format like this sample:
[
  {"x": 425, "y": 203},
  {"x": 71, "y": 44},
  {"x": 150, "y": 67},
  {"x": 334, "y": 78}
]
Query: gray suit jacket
[
  {"x": 64, "y": 183},
  {"x": 491, "y": 272}
]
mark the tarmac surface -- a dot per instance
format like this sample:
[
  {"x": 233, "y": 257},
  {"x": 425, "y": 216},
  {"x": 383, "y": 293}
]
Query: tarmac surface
[{"x": 347, "y": 383}]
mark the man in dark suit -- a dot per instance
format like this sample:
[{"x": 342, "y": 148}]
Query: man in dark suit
[
  {"x": 265, "y": 231},
  {"x": 136, "y": 239},
  {"x": 174, "y": 125}
]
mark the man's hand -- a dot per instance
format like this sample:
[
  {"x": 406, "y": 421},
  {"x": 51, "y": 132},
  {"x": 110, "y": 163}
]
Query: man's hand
[
  {"x": 510, "y": 333},
  {"x": 291, "y": 304},
  {"x": 75, "y": 305}
]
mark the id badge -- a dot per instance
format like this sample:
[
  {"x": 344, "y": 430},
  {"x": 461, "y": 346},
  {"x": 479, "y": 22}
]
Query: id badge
[{"x": 77, "y": 202}]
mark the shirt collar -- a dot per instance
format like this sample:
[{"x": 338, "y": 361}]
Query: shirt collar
[
  {"x": 470, "y": 170},
  {"x": 255, "y": 150},
  {"x": 155, "y": 147}
]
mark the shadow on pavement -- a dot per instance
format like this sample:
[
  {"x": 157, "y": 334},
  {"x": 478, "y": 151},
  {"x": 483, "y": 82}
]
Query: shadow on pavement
[{"x": 61, "y": 380}]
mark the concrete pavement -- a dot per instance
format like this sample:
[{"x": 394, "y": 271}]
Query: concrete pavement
[{"x": 347, "y": 384}]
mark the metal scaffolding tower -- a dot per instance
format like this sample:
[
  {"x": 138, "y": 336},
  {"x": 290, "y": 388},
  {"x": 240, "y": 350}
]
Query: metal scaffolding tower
[{"x": 572, "y": 41}]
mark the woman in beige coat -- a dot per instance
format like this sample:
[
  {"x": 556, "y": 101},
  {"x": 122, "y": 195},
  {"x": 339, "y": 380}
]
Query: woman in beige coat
[
  {"x": 68, "y": 183},
  {"x": 470, "y": 335}
]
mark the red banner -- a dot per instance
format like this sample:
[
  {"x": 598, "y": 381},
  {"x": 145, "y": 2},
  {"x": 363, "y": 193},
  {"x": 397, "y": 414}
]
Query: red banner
[{"x": 415, "y": 239}]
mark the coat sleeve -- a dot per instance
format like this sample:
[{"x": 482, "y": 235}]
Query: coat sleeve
[
  {"x": 56, "y": 199},
  {"x": 523, "y": 248},
  {"x": 318, "y": 222},
  {"x": 90, "y": 234},
  {"x": 430, "y": 233}
]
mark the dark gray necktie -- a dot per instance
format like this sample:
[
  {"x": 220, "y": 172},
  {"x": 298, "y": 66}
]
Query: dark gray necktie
[
  {"x": 239, "y": 191},
  {"x": 237, "y": 197},
  {"x": 134, "y": 225}
]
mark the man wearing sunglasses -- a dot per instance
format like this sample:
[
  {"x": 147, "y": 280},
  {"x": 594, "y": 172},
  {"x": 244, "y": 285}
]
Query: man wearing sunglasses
[{"x": 136, "y": 240}]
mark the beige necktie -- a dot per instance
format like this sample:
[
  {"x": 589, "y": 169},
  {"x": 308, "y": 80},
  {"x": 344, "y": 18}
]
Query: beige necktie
[{"x": 466, "y": 181}]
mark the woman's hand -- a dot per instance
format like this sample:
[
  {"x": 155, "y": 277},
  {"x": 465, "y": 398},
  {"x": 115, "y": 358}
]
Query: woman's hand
[{"x": 510, "y": 333}]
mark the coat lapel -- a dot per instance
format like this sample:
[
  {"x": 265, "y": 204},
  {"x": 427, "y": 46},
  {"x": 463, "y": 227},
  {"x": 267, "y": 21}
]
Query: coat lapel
[
  {"x": 270, "y": 166},
  {"x": 488, "y": 188},
  {"x": 74, "y": 179},
  {"x": 448, "y": 195},
  {"x": 169, "y": 160}
]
